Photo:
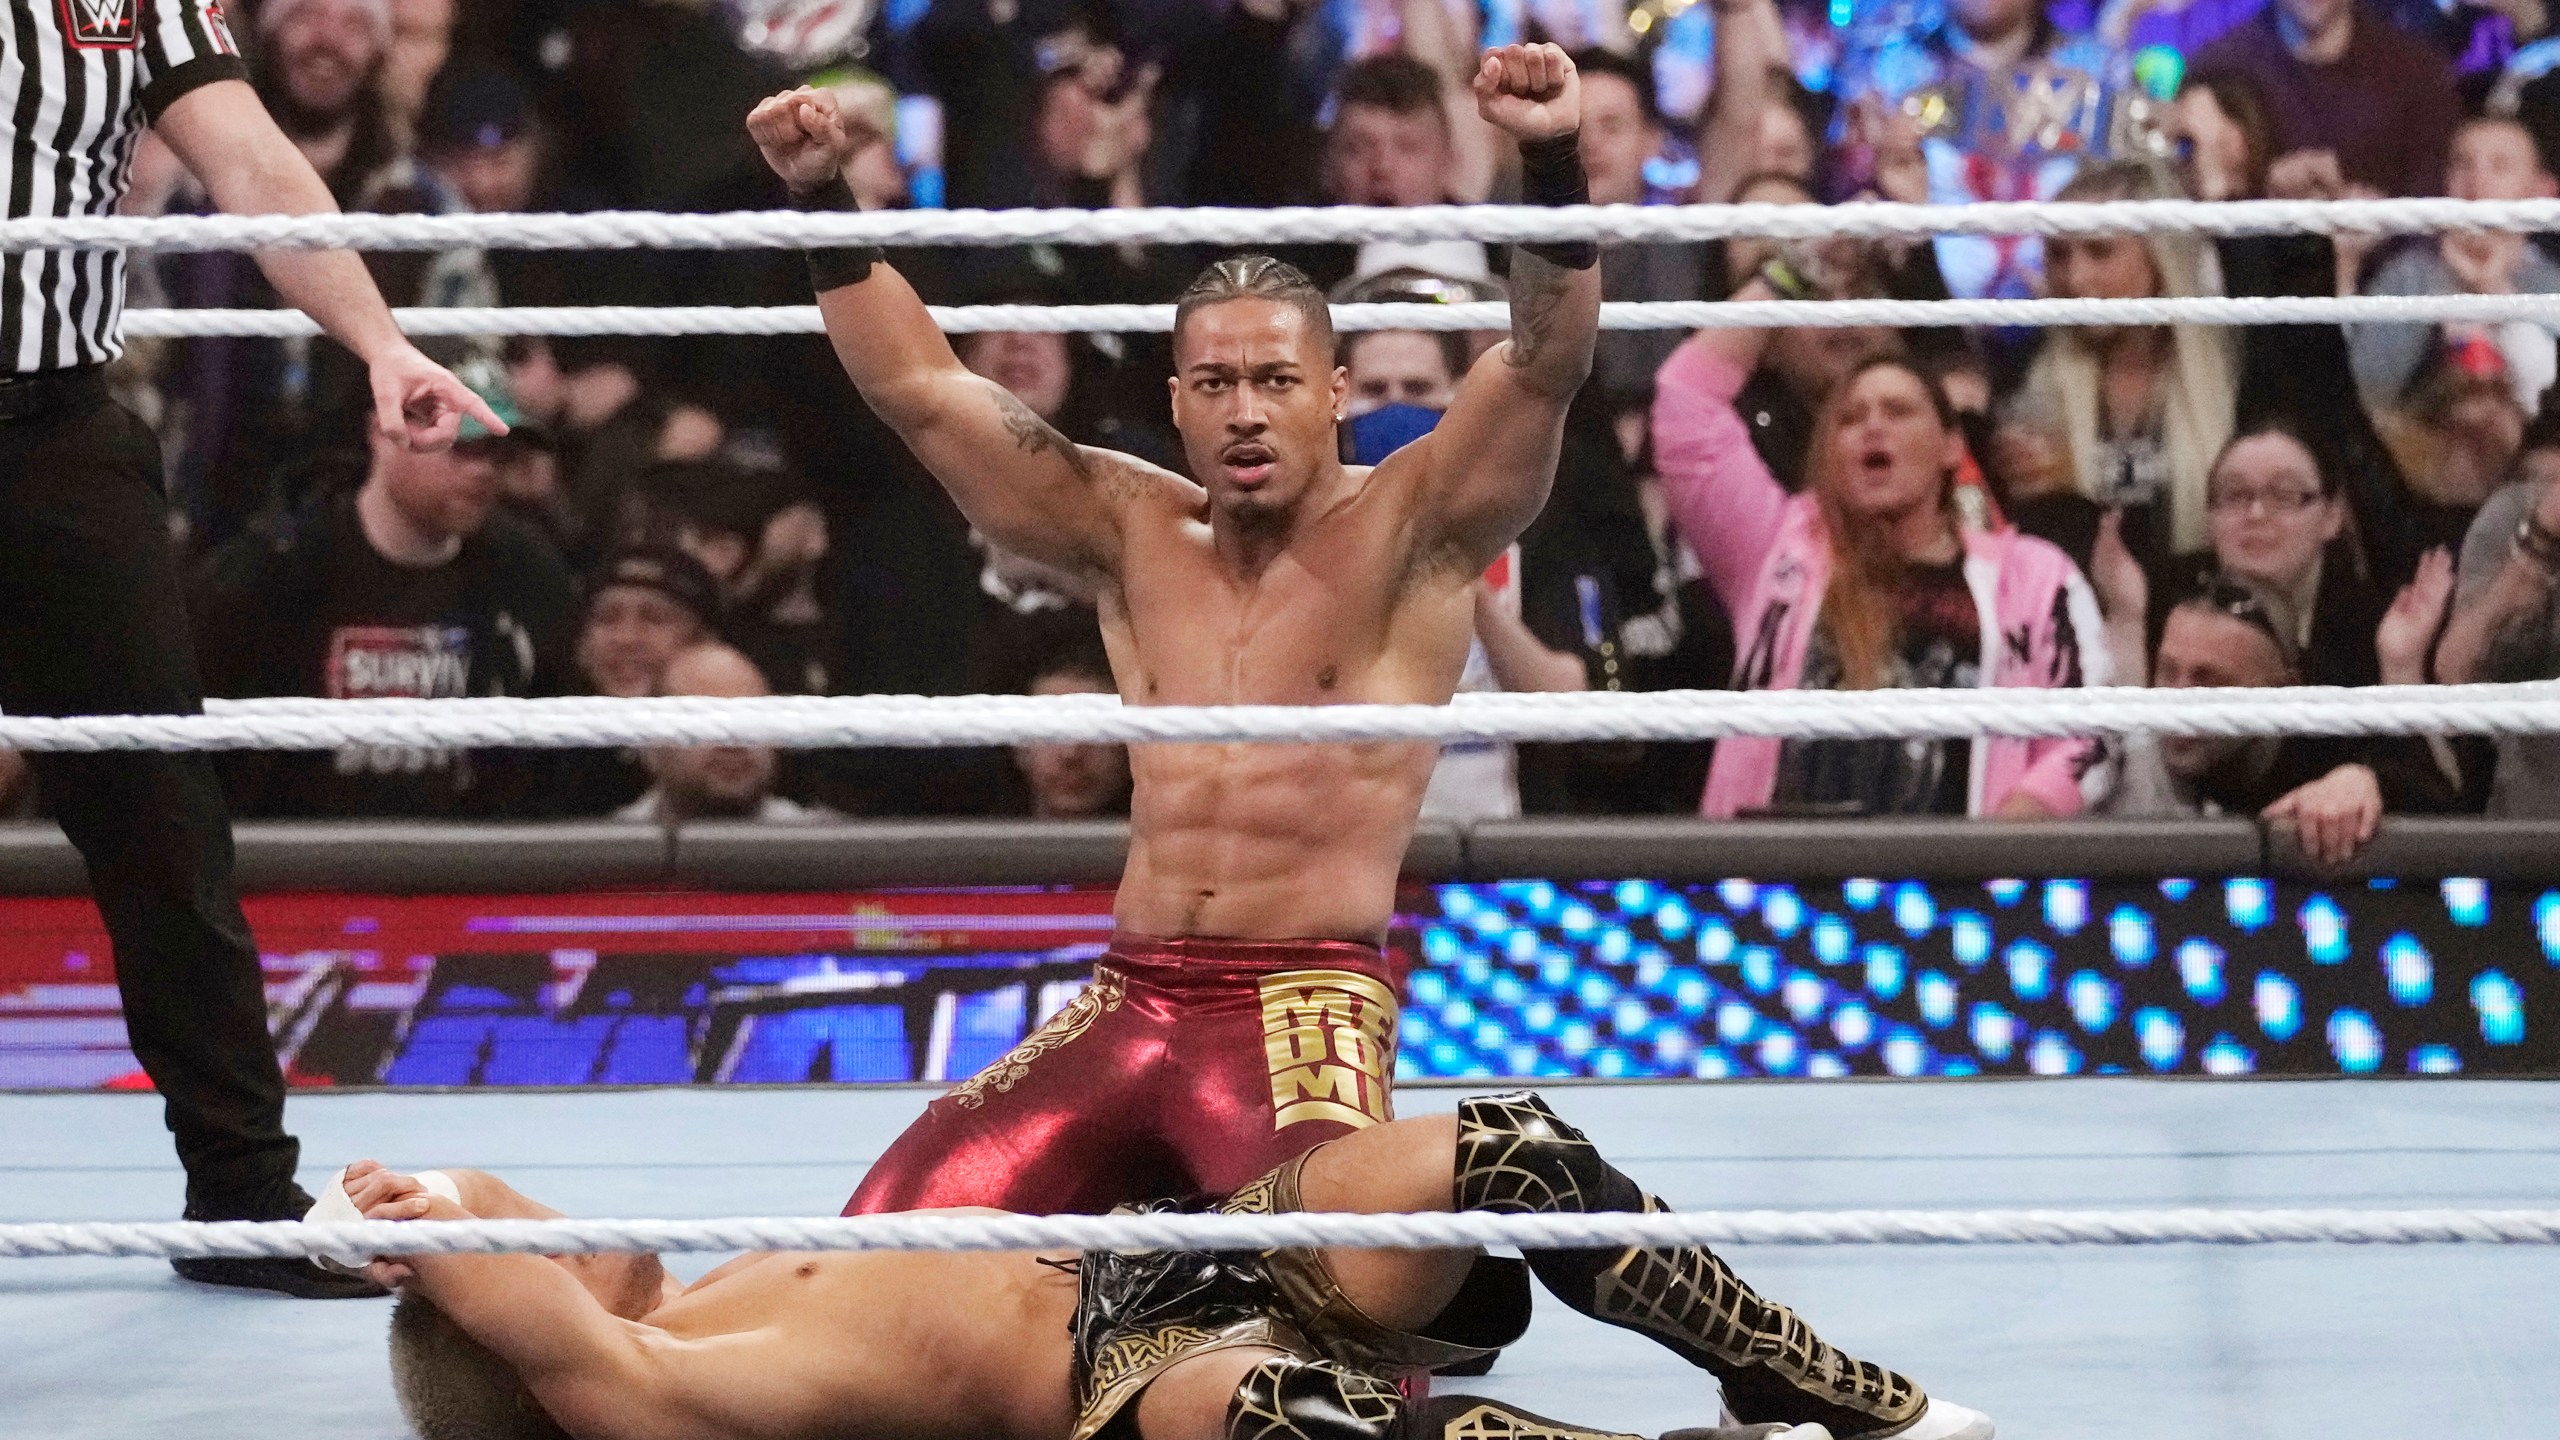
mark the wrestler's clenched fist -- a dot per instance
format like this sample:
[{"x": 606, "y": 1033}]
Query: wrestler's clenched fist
[
  {"x": 807, "y": 136},
  {"x": 1529, "y": 91}
]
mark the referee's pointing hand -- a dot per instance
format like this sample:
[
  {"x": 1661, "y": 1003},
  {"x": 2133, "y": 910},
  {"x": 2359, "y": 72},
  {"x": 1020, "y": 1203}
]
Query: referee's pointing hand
[{"x": 418, "y": 403}]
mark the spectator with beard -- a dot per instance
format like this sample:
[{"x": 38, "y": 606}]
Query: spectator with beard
[
  {"x": 411, "y": 585},
  {"x": 713, "y": 782},
  {"x": 644, "y": 607},
  {"x": 761, "y": 539},
  {"x": 252, "y": 406}
]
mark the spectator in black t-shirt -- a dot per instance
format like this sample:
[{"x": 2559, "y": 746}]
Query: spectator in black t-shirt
[
  {"x": 647, "y": 605},
  {"x": 411, "y": 585}
]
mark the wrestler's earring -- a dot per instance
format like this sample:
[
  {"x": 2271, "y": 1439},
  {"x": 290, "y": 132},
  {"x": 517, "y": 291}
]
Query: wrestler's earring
[{"x": 1516, "y": 1156}]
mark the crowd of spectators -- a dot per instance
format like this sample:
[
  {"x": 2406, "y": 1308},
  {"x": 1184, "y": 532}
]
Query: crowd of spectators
[{"x": 1808, "y": 507}]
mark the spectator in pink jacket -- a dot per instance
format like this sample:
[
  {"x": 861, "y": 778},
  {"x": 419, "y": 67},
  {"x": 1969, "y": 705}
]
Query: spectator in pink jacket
[{"x": 1868, "y": 582}]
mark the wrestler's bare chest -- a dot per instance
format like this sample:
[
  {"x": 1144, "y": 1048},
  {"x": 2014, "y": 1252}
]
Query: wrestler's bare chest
[
  {"x": 933, "y": 1346},
  {"x": 1340, "y": 615}
]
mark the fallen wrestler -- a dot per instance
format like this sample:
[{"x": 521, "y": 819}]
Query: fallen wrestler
[
  {"x": 1244, "y": 1012},
  {"x": 1145, "y": 1345}
]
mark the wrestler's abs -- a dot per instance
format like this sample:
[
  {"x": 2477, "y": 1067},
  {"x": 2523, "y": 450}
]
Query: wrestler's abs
[{"x": 1277, "y": 842}]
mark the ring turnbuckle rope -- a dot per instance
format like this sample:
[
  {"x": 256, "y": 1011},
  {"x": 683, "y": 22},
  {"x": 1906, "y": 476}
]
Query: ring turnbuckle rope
[{"x": 286, "y": 1238}]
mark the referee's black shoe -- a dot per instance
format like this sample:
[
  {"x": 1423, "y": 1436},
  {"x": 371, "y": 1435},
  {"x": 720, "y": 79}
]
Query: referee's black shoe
[{"x": 295, "y": 1277}]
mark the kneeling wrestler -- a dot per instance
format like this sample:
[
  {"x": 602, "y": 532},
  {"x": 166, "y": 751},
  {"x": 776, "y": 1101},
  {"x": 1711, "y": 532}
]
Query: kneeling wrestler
[{"x": 1148, "y": 1345}]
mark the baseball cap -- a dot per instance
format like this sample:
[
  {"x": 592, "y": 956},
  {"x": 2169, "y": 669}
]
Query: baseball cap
[
  {"x": 486, "y": 378},
  {"x": 666, "y": 570},
  {"x": 474, "y": 109}
]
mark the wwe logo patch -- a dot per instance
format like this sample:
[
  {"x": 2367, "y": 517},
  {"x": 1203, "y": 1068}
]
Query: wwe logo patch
[{"x": 100, "y": 24}]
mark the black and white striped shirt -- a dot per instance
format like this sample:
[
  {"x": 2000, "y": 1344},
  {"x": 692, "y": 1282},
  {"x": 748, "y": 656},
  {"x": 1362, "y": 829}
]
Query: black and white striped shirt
[{"x": 78, "y": 81}]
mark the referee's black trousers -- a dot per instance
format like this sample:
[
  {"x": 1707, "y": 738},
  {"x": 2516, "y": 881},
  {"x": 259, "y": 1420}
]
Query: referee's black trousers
[{"x": 93, "y": 621}]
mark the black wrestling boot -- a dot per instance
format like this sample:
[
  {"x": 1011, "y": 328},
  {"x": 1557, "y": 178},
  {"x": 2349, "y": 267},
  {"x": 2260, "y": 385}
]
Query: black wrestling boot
[
  {"x": 295, "y": 1277},
  {"x": 1515, "y": 1156}
]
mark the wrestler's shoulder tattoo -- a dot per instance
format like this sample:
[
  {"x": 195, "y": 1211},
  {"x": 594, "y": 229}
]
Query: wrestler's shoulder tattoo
[
  {"x": 1031, "y": 433},
  {"x": 1116, "y": 475}
]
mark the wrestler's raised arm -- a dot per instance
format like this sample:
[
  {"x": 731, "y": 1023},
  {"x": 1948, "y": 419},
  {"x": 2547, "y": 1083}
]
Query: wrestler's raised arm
[
  {"x": 1023, "y": 484},
  {"x": 1487, "y": 467}
]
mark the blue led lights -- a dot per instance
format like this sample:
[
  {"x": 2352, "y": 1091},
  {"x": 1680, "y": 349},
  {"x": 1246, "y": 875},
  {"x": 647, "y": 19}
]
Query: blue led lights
[
  {"x": 1884, "y": 970},
  {"x": 1994, "y": 1030},
  {"x": 2249, "y": 903},
  {"x": 2226, "y": 1056},
  {"x": 2355, "y": 1042},
  {"x": 2501, "y": 1005},
  {"x": 2030, "y": 969},
  {"x": 2324, "y": 930},
  {"x": 2162, "y": 1037},
  {"x": 1638, "y": 977},
  {"x": 2408, "y": 968},
  {"x": 2466, "y": 901},
  {"x": 1905, "y": 1053},
  {"x": 1781, "y": 910},
  {"x": 1759, "y": 967},
  {"x": 1969, "y": 936},
  {"x": 2093, "y": 1000},
  {"x": 2129, "y": 937},
  {"x": 1834, "y": 940},
  {"x": 2200, "y": 970},
  {"x": 2278, "y": 1002},
  {"x": 2050, "y": 1054},
  {"x": 2066, "y": 905},
  {"x": 1715, "y": 943}
]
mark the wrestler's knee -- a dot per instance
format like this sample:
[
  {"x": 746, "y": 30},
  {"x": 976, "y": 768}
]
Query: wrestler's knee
[
  {"x": 1189, "y": 1400},
  {"x": 1394, "y": 1168},
  {"x": 1516, "y": 1155}
]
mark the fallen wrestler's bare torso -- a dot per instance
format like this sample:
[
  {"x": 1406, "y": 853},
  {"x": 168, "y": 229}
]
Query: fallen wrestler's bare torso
[{"x": 793, "y": 1346}]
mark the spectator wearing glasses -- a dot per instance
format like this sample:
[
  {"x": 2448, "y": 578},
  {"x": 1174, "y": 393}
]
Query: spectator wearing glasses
[
  {"x": 2276, "y": 519},
  {"x": 2330, "y": 791}
]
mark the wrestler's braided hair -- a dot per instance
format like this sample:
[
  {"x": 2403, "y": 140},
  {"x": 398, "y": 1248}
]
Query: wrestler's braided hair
[{"x": 1257, "y": 277}]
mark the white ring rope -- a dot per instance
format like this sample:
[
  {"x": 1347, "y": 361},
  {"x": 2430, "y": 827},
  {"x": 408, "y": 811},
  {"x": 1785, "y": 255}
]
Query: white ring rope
[
  {"x": 913, "y": 721},
  {"x": 286, "y": 1238},
  {"x": 1484, "y": 315},
  {"x": 770, "y": 229}
]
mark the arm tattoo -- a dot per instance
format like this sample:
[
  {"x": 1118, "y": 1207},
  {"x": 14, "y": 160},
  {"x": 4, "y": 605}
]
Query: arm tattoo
[
  {"x": 1031, "y": 433},
  {"x": 1537, "y": 292}
]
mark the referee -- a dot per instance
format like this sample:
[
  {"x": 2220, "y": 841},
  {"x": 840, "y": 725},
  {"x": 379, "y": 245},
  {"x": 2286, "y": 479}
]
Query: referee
[{"x": 90, "y": 613}]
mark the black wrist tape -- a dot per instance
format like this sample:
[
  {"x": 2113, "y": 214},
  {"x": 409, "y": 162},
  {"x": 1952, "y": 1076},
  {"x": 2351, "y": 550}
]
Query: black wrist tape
[
  {"x": 1551, "y": 174},
  {"x": 836, "y": 266}
]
